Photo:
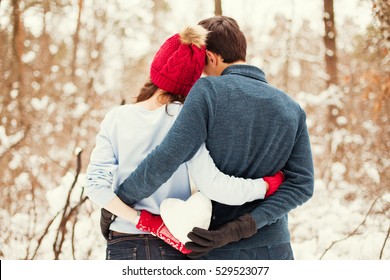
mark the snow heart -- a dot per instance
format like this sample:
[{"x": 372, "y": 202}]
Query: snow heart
[{"x": 181, "y": 217}]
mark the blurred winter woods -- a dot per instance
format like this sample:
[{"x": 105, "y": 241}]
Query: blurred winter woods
[{"x": 65, "y": 63}]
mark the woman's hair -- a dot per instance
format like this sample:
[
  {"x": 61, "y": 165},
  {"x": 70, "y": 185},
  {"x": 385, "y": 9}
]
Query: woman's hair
[
  {"x": 225, "y": 38},
  {"x": 150, "y": 88}
]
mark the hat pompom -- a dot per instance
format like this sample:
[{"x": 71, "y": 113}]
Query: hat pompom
[{"x": 194, "y": 35}]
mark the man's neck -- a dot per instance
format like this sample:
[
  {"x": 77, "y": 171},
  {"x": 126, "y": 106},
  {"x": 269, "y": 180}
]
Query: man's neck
[{"x": 223, "y": 66}]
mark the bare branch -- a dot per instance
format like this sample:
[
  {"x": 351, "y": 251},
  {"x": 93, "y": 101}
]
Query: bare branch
[
  {"x": 58, "y": 242},
  {"x": 45, "y": 232},
  {"x": 353, "y": 232},
  {"x": 16, "y": 144},
  {"x": 384, "y": 243},
  {"x": 73, "y": 210}
]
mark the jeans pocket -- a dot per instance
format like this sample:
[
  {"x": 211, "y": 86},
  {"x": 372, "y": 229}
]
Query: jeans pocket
[
  {"x": 223, "y": 254},
  {"x": 121, "y": 253},
  {"x": 170, "y": 253}
]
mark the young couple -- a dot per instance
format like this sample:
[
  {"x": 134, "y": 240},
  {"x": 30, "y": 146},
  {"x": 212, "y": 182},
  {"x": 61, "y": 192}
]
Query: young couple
[{"x": 232, "y": 121}]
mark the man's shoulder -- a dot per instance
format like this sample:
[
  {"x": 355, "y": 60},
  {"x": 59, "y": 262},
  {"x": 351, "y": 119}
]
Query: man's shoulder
[
  {"x": 207, "y": 81},
  {"x": 285, "y": 98},
  {"x": 209, "y": 87},
  {"x": 204, "y": 88}
]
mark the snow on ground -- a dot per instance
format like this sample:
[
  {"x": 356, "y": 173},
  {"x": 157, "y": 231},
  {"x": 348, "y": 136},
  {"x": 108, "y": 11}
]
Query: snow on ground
[{"x": 332, "y": 215}]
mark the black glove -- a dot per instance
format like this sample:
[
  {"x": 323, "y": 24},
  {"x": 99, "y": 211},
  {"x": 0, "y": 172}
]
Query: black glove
[
  {"x": 106, "y": 218},
  {"x": 203, "y": 241}
]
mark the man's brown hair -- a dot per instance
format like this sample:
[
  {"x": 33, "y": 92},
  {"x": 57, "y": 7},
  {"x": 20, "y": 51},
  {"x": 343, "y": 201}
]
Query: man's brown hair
[{"x": 225, "y": 38}]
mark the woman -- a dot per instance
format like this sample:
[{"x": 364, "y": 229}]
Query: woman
[{"x": 128, "y": 133}]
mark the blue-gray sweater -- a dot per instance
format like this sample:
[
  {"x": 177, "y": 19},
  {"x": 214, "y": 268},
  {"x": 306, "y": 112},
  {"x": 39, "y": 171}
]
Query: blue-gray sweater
[{"x": 251, "y": 130}]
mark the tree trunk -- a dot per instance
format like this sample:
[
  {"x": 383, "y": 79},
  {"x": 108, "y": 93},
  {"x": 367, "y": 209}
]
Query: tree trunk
[
  {"x": 381, "y": 9},
  {"x": 330, "y": 43},
  {"x": 17, "y": 43},
  {"x": 330, "y": 59},
  {"x": 76, "y": 40},
  {"x": 218, "y": 7}
]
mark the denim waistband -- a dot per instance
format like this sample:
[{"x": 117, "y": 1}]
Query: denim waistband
[{"x": 123, "y": 234}]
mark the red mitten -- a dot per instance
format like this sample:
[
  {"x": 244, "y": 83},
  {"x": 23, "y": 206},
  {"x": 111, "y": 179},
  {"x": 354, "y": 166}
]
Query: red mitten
[
  {"x": 155, "y": 225},
  {"x": 274, "y": 182}
]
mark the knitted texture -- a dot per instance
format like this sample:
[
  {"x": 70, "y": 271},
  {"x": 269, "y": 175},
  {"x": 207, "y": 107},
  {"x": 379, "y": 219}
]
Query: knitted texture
[
  {"x": 179, "y": 62},
  {"x": 155, "y": 225}
]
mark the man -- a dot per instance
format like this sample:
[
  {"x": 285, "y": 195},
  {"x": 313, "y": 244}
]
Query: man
[{"x": 251, "y": 130}]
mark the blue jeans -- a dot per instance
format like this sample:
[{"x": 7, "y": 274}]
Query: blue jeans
[
  {"x": 140, "y": 247},
  {"x": 274, "y": 252}
]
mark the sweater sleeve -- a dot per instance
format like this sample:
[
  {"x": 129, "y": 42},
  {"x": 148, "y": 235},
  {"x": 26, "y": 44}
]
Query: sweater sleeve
[
  {"x": 181, "y": 143},
  {"x": 102, "y": 168},
  {"x": 220, "y": 187},
  {"x": 298, "y": 185}
]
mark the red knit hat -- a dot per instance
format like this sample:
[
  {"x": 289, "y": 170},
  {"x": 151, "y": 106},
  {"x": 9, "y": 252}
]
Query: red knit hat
[{"x": 179, "y": 62}]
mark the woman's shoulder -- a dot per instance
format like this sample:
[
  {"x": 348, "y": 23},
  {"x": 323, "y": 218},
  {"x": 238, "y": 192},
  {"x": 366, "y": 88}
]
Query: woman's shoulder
[{"x": 119, "y": 110}]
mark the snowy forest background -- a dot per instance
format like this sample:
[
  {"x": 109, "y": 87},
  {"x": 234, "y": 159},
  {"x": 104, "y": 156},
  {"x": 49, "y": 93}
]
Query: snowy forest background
[{"x": 65, "y": 63}]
